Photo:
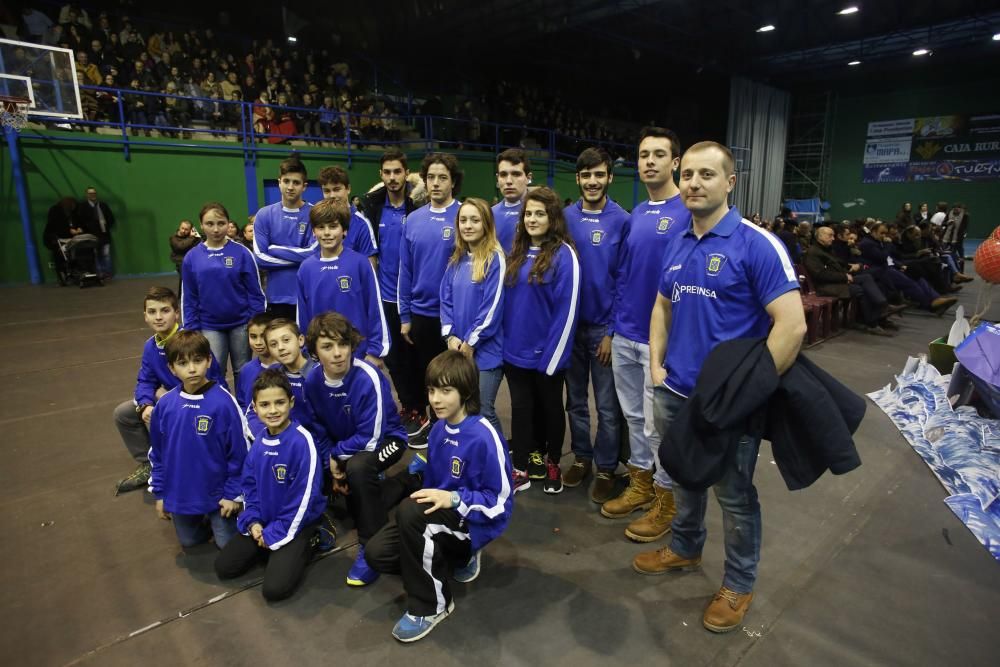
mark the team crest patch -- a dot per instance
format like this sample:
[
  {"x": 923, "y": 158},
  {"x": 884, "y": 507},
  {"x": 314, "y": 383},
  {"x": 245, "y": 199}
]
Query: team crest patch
[
  {"x": 663, "y": 225},
  {"x": 228, "y": 262},
  {"x": 203, "y": 424},
  {"x": 456, "y": 466},
  {"x": 446, "y": 233},
  {"x": 715, "y": 263},
  {"x": 345, "y": 283},
  {"x": 347, "y": 409},
  {"x": 280, "y": 471},
  {"x": 302, "y": 228},
  {"x": 597, "y": 236}
]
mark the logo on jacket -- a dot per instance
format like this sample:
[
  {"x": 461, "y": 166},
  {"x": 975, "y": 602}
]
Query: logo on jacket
[
  {"x": 345, "y": 283},
  {"x": 203, "y": 424},
  {"x": 446, "y": 233},
  {"x": 456, "y": 466},
  {"x": 280, "y": 471},
  {"x": 597, "y": 236},
  {"x": 663, "y": 225},
  {"x": 228, "y": 262},
  {"x": 715, "y": 263},
  {"x": 697, "y": 290},
  {"x": 302, "y": 228}
]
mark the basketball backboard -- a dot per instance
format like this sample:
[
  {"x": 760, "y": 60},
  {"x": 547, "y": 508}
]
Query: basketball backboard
[{"x": 46, "y": 75}]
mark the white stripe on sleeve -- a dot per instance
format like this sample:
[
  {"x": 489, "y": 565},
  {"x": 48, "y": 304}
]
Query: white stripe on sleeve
[
  {"x": 293, "y": 529},
  {"x": 571, "y": 319},
  {"x": 474, "y": 336}
]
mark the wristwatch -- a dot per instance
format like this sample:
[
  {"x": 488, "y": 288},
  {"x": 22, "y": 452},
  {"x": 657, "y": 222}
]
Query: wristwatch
[
  {"x": 141, "y": 407},
  {"x": 456, "y": 499}
]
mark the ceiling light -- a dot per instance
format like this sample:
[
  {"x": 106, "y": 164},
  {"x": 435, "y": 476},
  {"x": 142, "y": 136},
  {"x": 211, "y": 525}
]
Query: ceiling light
[
  {"x": 854, "y": 62},
  {"x": 848, "y": 10},
  {"x": 921, "y": 52},
  {"x": 292, "y": 40},
  {"x": 765, "y": 28},
  {"x": 996, "y": 37}
]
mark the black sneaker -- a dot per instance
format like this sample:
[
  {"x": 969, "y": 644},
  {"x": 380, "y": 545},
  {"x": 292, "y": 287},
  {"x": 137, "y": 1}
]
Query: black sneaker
[
  {"x": 416, "y": 424},
  {"x": 139, "y": 479},
  {"x": 325, "y": 539},
  {"x": 553, "y": 478},
  {"x": 536, "y": 466}
]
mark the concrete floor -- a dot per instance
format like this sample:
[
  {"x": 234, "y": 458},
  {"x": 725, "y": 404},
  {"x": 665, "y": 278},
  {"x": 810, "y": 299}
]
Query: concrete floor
[{"x": 870, "y": 568}]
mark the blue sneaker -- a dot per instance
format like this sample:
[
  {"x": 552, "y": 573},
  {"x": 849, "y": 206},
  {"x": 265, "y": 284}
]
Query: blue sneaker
[
  {"x": 411, "y": 628},
  {"x": 361, "y": 574},
  {"x": 470, "y": 570},
  {"x": 326, "y": 535},
  {"x": 417, "y": 464}
]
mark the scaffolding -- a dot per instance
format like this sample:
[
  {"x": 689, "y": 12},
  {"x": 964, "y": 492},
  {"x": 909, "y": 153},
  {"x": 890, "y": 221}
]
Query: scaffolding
[{"x": 807, "y": 157}]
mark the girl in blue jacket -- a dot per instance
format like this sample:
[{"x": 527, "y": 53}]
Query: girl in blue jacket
[
  {"x": 221, "y": 290},
  {"x": 472, "y": 300},
  {"x": 539, "y": 322}
]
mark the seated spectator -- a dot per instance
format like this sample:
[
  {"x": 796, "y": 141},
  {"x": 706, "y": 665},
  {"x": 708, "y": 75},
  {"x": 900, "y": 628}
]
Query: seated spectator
[
  {"x": 308, "y": 121},
  {"x": 176, "y": 111},
  {"x": 786, "y": 232},
  {"x": 878, "y": 253},
  {"x": 136, "y": 109},
  {"x": 61, "y": 223},
  {"x": 831, "y": 277},
  {"x": 36, "y": 24},
  {"x": 263, "y": 115},
  {"x": 215, "y": 112},
  {"x": 283, "y": 127},
  {"x": 88, "y": 102},
  {"x": 921, "y": 261},
  {"x": 804, "y": 232},
  {"x": 329, "y": 119},
  {"x": 234, "y": 111},
  {"x": 91, "y": 75},
  {"x": 107, "y": 102},
  {"x": 230, "y": 85}
]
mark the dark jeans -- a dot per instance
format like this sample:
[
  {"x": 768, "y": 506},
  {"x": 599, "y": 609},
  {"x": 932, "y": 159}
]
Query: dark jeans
[
  {"x": 424, "y": 548},
  {"x": 917, "y": 291},
  {"x": 284, "y": 568},
  {"x": 402, "y": 363},
  {"x": 365, "y": 502},
  {"x": 535, "y": 395},
  {"x": 870, "y": 298}
]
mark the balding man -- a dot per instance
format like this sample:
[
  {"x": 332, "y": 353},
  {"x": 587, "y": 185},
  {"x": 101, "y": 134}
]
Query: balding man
[{"x": 831, "y": 277}]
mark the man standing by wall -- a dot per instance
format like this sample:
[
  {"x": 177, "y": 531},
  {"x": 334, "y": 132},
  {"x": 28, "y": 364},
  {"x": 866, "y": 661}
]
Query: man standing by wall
[
  {"x": 98, "y": 219},
  {"x": 723, "y": 278}
]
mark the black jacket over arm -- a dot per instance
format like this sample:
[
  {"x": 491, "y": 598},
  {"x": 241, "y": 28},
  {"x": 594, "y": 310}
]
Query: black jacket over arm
[{"x": 808, "y": 416}]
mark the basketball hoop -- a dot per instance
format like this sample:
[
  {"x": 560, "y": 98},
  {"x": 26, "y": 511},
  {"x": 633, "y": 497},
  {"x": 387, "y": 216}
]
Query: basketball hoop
[{"x": 14, "y": 112}]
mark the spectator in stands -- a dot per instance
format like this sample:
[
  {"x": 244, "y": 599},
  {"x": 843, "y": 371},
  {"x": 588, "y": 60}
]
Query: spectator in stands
[
  {"x": 230, "y": 85},
  {"x": 786, "y": 232},
  {"x": 144, "y": 76},
  {"x": 73, "y": 14},
  {"x": 107, "y": 102},
  {"x": 89, "y": 70},
  {"x": 905, "y": 218},
  {"x": 216, "y": 112},
  {"x": 233, "y": 231},
  {"x": 234, "y": 111},
  {"x": 246, "y": 237},
  {"x": 307, "y": 121},
  {"x": 88, "y": 102},
  {"x": 61, "y": 223},
  {"x": 329, "y": 119},
  {"x": 877, "y": 252},
  {"x": 922, "y": 215},
  {"x": 263, "y": 115},
  {"x": 185, "y": 238},
  {"x": 922, "y": 262},
  {"x": 804, "y": 233},
  {"x": 136, "y": 109},
  {"x": 36, "y": 24},
  {"x": 97, "y": 218},
  {"x": 283, "y": 127},
  {"x": 941, "y": 215},
  {"x": 831, "y": 277}
]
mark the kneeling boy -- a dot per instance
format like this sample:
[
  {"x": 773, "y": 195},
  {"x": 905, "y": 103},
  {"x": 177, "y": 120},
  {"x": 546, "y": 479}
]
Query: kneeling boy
[
  {"x": 356, "y": 420},
  {"x": 198, "y": 441},
  {"x": 283, "y": 501},
  {"x": 465, "y": 502}
]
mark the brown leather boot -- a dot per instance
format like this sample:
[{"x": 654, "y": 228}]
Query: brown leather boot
[
  {"x": 662, "y": 561},
  {"x": 576, "y": 473},
  {"x": 604, "y": 486},
  {"x": 638, "y": 495},
  {"x": 726, "y": 610},
  {"x": 655, "y": 523}
]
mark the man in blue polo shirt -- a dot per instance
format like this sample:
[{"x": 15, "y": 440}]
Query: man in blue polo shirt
[{"x": 723, "y": 278}]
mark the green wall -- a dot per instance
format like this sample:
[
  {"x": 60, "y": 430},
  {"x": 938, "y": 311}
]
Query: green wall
[
  {"x": 852, "y": 114},
  {"x": 160, "y": 186}
]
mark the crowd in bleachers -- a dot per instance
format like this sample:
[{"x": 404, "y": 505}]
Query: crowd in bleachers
[{"x": 308, "y": 94}]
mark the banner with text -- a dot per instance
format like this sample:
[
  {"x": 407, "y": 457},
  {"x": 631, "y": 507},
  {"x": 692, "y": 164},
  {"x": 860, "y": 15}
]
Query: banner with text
[{"x": 933, "y": 148}]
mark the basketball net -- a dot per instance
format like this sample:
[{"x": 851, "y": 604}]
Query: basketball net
[{"x": 14, "y": 112}]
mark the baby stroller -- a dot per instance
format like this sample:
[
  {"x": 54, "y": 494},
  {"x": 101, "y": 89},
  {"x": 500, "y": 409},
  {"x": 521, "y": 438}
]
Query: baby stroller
[{"x": 80, "y": 255}]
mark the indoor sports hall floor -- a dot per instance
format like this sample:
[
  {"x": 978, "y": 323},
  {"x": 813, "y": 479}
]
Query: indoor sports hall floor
[{"x": 870, "y": 568}]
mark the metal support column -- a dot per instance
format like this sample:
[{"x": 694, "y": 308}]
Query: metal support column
[{"x": 17, "y": 171}]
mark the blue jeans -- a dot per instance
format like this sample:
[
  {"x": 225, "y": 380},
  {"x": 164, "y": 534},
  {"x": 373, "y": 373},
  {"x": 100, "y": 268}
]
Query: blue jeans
[
  {"x": 232, "y": 342},
  {"x": 192, "y": 529},
  {"x": 104, "y": 265},
  {"x": 630, "y": 361},
  {"x": 489, "y": 385},
  {"x": 737, "y": 497},
  {"x": 584, "y": 368}
]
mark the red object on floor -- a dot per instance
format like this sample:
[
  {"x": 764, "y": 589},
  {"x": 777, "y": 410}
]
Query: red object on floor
[{"x": 987, "y": 259}]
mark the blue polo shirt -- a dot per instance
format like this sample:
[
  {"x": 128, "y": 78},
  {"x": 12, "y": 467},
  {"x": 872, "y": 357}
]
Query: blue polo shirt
[{"x": 718, "y": 287}]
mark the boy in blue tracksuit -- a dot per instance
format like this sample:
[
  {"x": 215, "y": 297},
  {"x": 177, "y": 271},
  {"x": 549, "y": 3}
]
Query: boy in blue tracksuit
[
  {"x": 285, "y": 342},
  {"x": 513, "y": 179},
  {"x": 598, "y": 226},
  {"x": 283, "y": 239},
  {"x": 221, "y": 289},
  {"x": 460, "y": 502},
  {"x": 198, "y": 441},
  {"x": 428, "y": 241},
  {"x": 262, "y": 358},
  {"x": 282, "y": 479},
  {"x": 161, "y": 312},
  {"x": 342, "y": 280},
  {"x": 356, "y": 425},
  {"x": 359, "y": 236}
]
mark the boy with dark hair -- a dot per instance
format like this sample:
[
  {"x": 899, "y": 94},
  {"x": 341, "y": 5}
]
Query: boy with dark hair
[
  {"x": 198, "y": 441},
  {"x": 388, "y": 207},
  {"x": 161, "y": 312},
  {"x": 336, "y": 185},
  {"x": 513, "y": 179},
  {"x": 285, "y": 343},
  {"x": 342, "y": 280},
  {"x": 261, "y": 358},
  {"x": 356, "y": 425},
  {"x": 282, "y": 238},
  {"x": 282, "y": 479},
  {"x": 599, "y": 227},
  {"x": 460, "y": 502},
  {"x": 427, "y": 244}
]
